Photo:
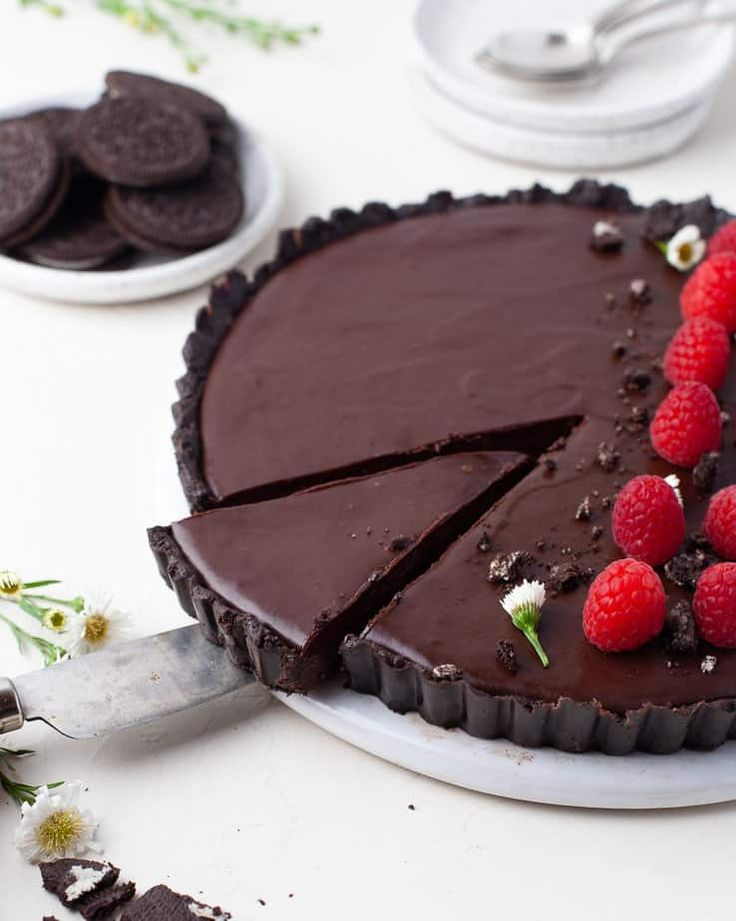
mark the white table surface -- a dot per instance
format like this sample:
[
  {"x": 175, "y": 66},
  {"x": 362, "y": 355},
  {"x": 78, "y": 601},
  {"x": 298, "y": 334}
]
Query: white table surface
[{"x": 246, "y": 801}]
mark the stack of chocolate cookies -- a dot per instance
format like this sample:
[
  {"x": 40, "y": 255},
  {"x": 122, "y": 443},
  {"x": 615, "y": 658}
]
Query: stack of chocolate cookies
[{"x": 153, "y": 167}]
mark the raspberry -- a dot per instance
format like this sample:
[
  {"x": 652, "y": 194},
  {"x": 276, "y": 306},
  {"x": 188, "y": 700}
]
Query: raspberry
[
  {"x": 723, "y": 240},
  {"x": 625, "y": 607},
  {"x": 686, "y": 424},
  {"x": 720, "y": 523},
  {"x": 714, "y": 605},
  {"x": 648, "y": 521},
  {"x": 699, "y": 351},
  {"x": 711, "y": 291}
]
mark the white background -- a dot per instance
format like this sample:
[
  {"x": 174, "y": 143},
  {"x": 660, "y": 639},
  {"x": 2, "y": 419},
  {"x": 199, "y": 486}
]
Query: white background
[{"x": 246, "y": 800}]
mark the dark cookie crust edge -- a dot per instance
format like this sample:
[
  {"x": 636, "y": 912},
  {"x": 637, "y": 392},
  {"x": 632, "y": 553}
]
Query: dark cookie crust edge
[
  {"x": 249, "y": 643},
  {"x": 565, "y": 724},
  {"x": 233, "y": 295}
]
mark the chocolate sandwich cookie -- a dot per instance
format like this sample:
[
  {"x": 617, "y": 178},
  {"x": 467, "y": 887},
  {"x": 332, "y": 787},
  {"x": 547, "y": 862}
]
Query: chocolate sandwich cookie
[
  {"x": 186, "y": 217},
  {"x": 163, "y": 904},
  {"x": 140, "y": 142},
  {"x": 61, "y": 123},
  {"x": 121, "y": 83},
  {"x": 80, "y": 236},
  {"x": 33, "y": 180},
  {"x": 73, "y": 880}
]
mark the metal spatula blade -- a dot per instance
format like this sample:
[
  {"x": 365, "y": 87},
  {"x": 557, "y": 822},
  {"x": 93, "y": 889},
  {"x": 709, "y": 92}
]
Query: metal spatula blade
[{"x": 123, "y": 686}]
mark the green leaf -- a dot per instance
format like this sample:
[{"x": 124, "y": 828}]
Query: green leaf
[{"x": 42, "y": 583}]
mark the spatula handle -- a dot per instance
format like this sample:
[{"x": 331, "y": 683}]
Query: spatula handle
[{"x": 11, "y": 713}]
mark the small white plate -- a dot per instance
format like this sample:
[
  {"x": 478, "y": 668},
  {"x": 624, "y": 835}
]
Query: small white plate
[
  {"x": 158, "y": 276},
  {"x": 650, "y": 82},
  {"x": 540, "y": 775},
  {"x": 555, "y": 150}
]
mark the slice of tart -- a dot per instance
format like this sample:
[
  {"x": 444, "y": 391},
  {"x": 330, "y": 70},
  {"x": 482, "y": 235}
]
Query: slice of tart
[
  {"x": 282, "y": 582},
  {"x": 554, "y": 527}
]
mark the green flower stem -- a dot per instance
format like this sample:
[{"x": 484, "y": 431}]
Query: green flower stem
[
  {"x": 526, "y": 619},
  {"x": 51, "y": 653},
  {"x": 531, "y": 634},
  {"x": 163, "y": 17},
  {"x": 42, "y": 583},
  {"x": 16, "y": 790},
  {"x": 76, "y": 604}
]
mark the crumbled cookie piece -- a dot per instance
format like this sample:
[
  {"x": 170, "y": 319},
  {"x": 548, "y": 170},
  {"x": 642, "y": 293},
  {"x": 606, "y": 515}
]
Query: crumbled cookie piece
[
  {"x": 550, "y": 464},
  {"x": 163, "y": 904},
  {"x": 566, "y": 577},
  {"x": 484, "y": 542},
  {"x": 640, "y": 293},
  {"x": 705, "y": 471},
  {"x": 72, "y": 879},
  {"x": 584, "y": 510},
  {"x": 619, "y": 349},
  {"x": 681, "y": 633},
  {"x": 708, "y": 665},
  {"x": 607, "y": 458},
  {"x": 103, "y": 904},
  {"x": 506, "y": 567},
  {"x": 447, "y": 672},
  {"x": 636, "y": 380},
  {"x": 506, "y": 655},
  {"x": 399, "y": 543},
  {"x": 606, "y": 237}
]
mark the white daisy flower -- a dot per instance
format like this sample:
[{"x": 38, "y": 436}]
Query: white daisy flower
[
  {"x": 54, "y": 826},
  {"x": 686, "y": 248},
  {"x": 11, "y": 584},
  {"x": 673, "y": 480},
  {"x": 98, "y": 625},
  {"x": 56, "y": 619},
  {"x": 524, "y": 604}
]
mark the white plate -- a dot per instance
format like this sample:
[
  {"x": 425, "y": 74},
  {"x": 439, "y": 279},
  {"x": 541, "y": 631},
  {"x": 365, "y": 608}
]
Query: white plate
[
  {"x": 541, "y": 775},
  {"x": 650, "y": 82},
  {"x": 158, "y": 276},
  {"x": 552, "y": 150}
]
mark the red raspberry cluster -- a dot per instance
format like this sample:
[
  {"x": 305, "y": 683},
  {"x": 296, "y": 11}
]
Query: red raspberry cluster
[
  {"x": 626, "y": 603},
  {"x": 687, "y": 422},
  {"x": 625, "y": 607}
]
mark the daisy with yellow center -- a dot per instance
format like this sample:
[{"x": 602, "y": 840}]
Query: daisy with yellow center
[
  {"x": 11, "y": 584},
  {"x": 686, "y": 248},
  {"x": 54, "y": 826},
  {"x": 98, "y": 625},
  {"x": 55, "y": 619}
]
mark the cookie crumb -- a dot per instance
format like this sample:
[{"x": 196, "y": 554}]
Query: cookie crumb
[
  {"x": 505, "y": 567},
  {"x": 705, "y": 471},
  {"x": 681, "y": 633},
  {"x": 606, "y": 237},
  {"x": 584, "y": 510},
  {"x": 447, "y": 672},
  {"x": 506, "y": 655},
  {"x": 411, "y": 807},
  {"x": 484, "y": 542},
  {"x": 618, "y": 349},
  {"x": 636, "y": 380},
  {"x": 399, "y": 543},
  {"x": 708, "y": 665},
  {"x": 640, "y": 293},
  {"x": 608, "y": 459}
]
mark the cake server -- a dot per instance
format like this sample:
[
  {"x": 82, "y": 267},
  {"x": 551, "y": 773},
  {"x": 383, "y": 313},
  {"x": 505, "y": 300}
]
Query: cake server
[{"x": 124, "y": 686}]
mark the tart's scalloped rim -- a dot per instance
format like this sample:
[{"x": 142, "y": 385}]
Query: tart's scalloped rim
[
  {"x": 565, "y": 724},
  {"x": 249, "y": 643},
  {"x": 229, "y": 298}
]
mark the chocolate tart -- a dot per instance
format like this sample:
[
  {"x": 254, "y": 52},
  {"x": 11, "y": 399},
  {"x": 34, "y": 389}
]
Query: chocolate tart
[
  {"x": 386, "y": 337},
  {"x": 280, "y": 583}
]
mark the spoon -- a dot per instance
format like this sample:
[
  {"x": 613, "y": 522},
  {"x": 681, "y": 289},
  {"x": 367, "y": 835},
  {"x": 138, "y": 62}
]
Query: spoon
[{"x": 584, "y": 50}]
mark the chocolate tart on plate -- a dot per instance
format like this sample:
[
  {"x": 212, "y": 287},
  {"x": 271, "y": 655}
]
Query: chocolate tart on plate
[{"x": 382, "y": 339}]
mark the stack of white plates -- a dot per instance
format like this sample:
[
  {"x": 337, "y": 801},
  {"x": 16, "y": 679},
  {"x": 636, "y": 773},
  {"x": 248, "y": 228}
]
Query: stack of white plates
[{"x": 649, "y": 102}]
